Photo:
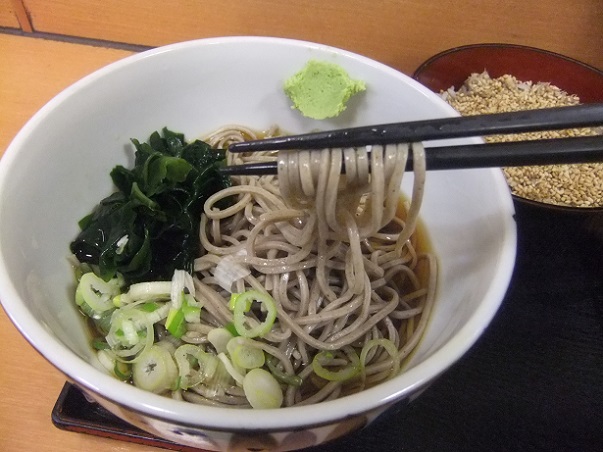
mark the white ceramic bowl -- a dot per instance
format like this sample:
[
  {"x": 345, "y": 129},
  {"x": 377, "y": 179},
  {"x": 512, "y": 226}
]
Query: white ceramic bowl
[{"x": 57, "y": 168}]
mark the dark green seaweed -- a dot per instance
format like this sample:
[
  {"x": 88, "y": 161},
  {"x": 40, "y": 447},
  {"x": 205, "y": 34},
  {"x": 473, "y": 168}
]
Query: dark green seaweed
[{"x": 157, "y": 205}]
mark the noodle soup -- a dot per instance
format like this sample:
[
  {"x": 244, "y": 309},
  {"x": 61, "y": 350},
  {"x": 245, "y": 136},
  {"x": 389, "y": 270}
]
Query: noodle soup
[
  {"x": 469, "y": 215},
  {"x": 308, "y": 286}
]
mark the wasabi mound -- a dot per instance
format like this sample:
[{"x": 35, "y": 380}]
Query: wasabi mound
[{"x": 321, "y": 89}]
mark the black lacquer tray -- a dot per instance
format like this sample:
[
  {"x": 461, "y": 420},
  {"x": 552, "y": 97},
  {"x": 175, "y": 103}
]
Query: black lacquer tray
[{"x": 534, "y": 380}]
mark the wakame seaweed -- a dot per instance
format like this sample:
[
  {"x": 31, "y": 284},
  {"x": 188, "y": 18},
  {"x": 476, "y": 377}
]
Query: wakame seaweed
[{"x": 149, "y": 227}]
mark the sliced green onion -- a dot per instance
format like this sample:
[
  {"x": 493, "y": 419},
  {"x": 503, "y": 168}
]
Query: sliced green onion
[
  {"x": 188, "y": 365},
  {"x": 154, "y": 290},
  {"x": 324, "y": 358},
  {"x": 219, "y": 338},
  {"x": 184, "y": 307},
  {"x": 87, "y": 310},
  {"x": 235, "y": 373},
  {"x": 242, "y": 303},
  {"x": 155, "y": 370},
  {"x": 389, "y": 347},
  {"x": 219, "y": 378},
  {"x": 149, "y": 306},
  {"x": 233, "y": 299},
  {"x": 192, "y": 314},
  {"x": 244, "y": 354},
  {"x": 100, "y": 344},
  {"x": 95, "y": 294},
  {"x": 107, "y": 360},
  {"x": 229, "y": 271},
  {"x": 231, "y": 329},
  {"x": 280, "y": 375},
  {"x": 118, "y": 301},
  {"x": 182, "y": 289},
  {"x": 208, "y": 365},
  {"x": 131, "y": 333},
  {"x": 175, "y": 323},
  {"x": 122, "y": 370},
  {"x": 168, "y": 344},
  {"x": 158, "y": 314},
  {"x": 103, "y": 322},
  {"x": 82, "y": 269},
  {"x": 176, "y": 386},
  {"x": 118, "y": 282},
  {"x": 262, "y": 390},
  {"x": 114, "y": 366}
]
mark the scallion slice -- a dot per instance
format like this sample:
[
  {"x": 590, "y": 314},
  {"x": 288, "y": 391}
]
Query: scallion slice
[
  {"x": 324, "y": 359},
  {"x": 389, "y": 347},
  {"x": 155, "y": 370},
  {"x": 131, "y": 333},
  {"x": 175, "y": 322},
  {"x": 282, "y": 377},
  {"x": 247, "y": 326},
  {"x": 117, "y": 368},
  {"x": 234, "y": 372},
  {"x": 219, "y": 338},
  {"x": 187, "y": 360},
  {"x": 153, "y": 290},
  {"x": 244, "y": 353},
  {"x": 262, "y": 390},
  {"x": 95, "y": 295}
]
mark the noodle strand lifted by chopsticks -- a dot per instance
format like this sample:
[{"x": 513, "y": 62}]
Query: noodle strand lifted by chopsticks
[{"x": 328, "y": 247}]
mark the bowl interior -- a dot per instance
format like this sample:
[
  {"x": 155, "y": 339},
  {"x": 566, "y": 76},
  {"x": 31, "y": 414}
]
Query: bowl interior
[{"x": 57, "y": 168}]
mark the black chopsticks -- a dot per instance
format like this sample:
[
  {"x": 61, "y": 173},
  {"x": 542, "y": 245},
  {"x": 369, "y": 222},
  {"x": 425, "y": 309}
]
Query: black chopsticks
[
  {"x": 513, "y": 153},
  {"x": 435, "y": 129},
  {"x": 537, "y": 152}
]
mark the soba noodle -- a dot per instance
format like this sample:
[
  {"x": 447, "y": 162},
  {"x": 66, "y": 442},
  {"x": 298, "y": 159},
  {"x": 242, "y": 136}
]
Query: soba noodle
[
  {"x": 329, "y": 248},
  {"x": 311, "y": 285}
]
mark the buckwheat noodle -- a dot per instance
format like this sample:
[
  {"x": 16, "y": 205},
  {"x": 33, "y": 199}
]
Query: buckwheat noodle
[{"x": 331, "y": 250}]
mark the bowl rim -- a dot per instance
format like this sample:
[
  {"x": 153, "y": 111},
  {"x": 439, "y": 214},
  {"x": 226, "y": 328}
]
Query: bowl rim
[
  {"x": 562, "y": 209},
  {"x": 85, "y": 375},
  {"x": 463, "y": 48}
]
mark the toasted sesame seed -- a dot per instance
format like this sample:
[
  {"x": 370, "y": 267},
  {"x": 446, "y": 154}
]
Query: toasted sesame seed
[{"x": 575, "y": 185}]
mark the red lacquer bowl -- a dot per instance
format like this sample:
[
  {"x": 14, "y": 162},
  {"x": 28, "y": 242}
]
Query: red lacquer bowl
[{"x": 452, "y": 67}]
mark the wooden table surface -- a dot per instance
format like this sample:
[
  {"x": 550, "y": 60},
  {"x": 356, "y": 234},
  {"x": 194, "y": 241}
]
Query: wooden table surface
[
  {"x": 536, "y": 375},
  {"x": 32, "y": 71}
]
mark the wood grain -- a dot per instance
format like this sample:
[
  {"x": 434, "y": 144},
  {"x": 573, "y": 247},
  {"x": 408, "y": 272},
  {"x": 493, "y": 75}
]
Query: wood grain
[
  {"x": 31, "y": 73},
  {"x": 35, "y": 70},
  {"x": 22, "y": 16},
  {"x": 400, "y": 33},
  {"x": 29, "y": 387},
  {"x": 8, "y": 18}
]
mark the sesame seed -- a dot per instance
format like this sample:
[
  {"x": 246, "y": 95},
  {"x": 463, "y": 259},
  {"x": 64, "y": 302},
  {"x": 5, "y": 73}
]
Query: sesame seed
[{"x": 575, "y": 185}]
